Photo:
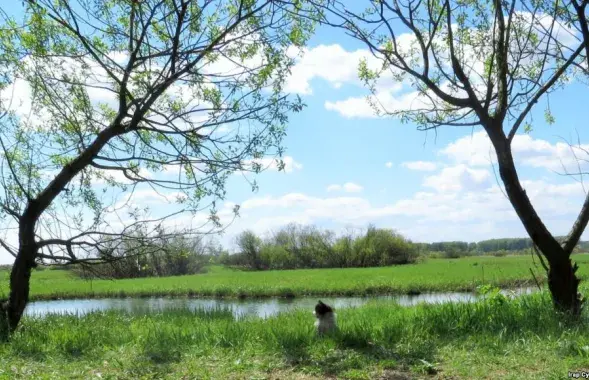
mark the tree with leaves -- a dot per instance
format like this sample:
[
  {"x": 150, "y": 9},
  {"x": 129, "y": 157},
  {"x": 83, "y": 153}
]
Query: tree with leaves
[
  {"x": 478, "y": 64},
  {"x": 153, "y": 96},
  {"x": 249, "y": 245}
]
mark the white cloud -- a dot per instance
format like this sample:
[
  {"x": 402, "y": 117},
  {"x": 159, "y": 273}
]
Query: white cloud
[
  {"x": 389, "y": 164},
  {"x": 386, "y": 102},
  {"x": 477, "y": 150},
  {"x": 200, "y": 221},
  {"x": 331, "y": 63},
  {"x": 461, "y": 200},
  {"x": 269, "y": 163},
  {"x": 491, "y": 205},
  {"x": 119, "y": 57},
  {"x": 364, "y": 106},
  {"x": 473, "y": 209},
  {"x": 352, "y": 188},
  {"x": 314, "y": 207},
  {"x": 425, "y": 166},
  {"x": 19, "y": 98},
  {"x": 348, "y": 187},
  {"x": 389, "y": 97},
  {"x": 473, "y": 150},
  {"x": 334, "y": 64},
  {"x": 458, "y": 178},
  {"x": 463, "y": 211},
  {"x": 145, "y": 197},
  {"x": 290, "y": 164}
]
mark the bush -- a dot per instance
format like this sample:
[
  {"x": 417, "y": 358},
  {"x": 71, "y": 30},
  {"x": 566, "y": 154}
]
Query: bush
[
  {"x": 250, "y": 245},
  {"x": 343, "y": 251},
  {"x": 295, "y": 246},
  {"x": 500, "y": 253},
  {"x": 380, "y": 247},
  {"x": 277, "y": 257},
  {"x": 453, "y": 254},
  {"x": 300, "y": 247},
  {"x": 166, "y": 255}
]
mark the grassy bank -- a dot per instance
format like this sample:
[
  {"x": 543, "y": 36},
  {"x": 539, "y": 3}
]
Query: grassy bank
[
  {"x": 432, "y": 275},
  {"x": 488, "y": 339}
]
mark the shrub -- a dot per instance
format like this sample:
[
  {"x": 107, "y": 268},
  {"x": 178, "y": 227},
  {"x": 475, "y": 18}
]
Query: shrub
[
  {"x": 249, "y": 245},
  {"x": 383, "y": 247},
  {"x": 452, "y": 254},
  {"x": 165, "y": 255},
  {"x": 343, "y": 251},
  {"x": 500, "y": 253},
  {"x": 295, "y": 246},
  {"x": 277, "y": 257},
  {"x": 307, "y": 246}
]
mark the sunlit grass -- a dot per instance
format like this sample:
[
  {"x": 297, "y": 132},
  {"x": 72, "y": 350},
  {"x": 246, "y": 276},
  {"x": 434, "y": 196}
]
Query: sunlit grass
[
  {"x": 431, "y": 275},
  {"x": 495, "y": 338}
]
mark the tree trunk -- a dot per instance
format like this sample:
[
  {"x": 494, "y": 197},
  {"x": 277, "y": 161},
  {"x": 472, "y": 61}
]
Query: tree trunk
[
  {"x": 562, "y": 280},
  {"x": 19, "y": 292},
  {"x": 563, "y": 284},
  {"x": 20, "y": 275}
]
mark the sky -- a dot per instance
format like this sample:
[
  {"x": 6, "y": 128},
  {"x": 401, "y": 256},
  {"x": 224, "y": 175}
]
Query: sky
[{"x": 345, "y": 167}]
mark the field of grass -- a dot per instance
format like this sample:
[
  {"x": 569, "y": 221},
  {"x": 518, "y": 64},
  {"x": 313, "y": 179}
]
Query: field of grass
[
  {"x": 463, "y": 274},
  {"x": 493, "y": 338}
]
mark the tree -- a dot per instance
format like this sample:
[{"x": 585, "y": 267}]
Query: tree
[
  {"x": 159, "y": 95},
  {"x": 576, "y": 14},
  {"x": 478, "y": 64},
  {"x": 250, "y": 244}
]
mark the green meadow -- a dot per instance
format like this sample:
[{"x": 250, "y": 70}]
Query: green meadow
[
  {"x": 430, "y": 275},
  {"x": 494, "y": 338}
]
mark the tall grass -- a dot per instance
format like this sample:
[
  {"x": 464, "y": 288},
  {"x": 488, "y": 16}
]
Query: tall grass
[
  {"x": 431, "y": 275},
  {"x": 373, "y": 339}
]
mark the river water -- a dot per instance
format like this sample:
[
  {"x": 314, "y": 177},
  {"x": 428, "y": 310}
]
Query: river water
[{"x": 262, "y": 308}]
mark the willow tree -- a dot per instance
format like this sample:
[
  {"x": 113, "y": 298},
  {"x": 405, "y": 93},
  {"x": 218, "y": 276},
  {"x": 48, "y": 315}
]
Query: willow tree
[
  {"x": 171, "y": 95},
  {"x": 477, "y": 64},
  {"x": 575, "y": 14}
]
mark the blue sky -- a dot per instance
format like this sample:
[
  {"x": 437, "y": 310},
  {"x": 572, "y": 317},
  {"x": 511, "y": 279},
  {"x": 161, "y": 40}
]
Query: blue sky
[
  {"x": 348, "y": 168},
  {"x": 430, "y": 187}
]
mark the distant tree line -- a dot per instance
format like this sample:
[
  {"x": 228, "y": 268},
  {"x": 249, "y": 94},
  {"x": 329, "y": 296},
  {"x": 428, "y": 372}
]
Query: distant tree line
[
  {"x": 491, "y": 246},
  {"x": 299, "y": 246},
  {"x": 291, "y": 247}
]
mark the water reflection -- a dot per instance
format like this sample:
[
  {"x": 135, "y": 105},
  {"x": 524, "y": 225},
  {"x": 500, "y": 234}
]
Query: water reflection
[{"x": 262, "y": 308}]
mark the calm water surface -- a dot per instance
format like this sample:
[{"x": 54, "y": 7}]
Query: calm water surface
[{"x": 262, "y": 308}]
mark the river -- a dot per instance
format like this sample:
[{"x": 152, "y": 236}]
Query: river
[{"x": 263, "y": 308}]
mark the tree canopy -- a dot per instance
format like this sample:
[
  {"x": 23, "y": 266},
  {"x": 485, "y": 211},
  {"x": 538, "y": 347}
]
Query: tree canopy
[
  {"x": 104, "y": 98},
  {"x": 478, "y": 64}
]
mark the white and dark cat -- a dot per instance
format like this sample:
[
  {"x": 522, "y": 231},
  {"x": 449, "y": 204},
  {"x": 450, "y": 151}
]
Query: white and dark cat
[{"x": 325, "y": 315}]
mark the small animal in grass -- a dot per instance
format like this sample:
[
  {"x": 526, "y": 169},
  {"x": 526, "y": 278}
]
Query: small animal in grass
[{"x": 325, "y": 322}]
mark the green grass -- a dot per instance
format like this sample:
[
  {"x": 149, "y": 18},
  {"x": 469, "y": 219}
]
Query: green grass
[
  {"x": 431, "y": 275},
  {"x": 494, "y": 338}
]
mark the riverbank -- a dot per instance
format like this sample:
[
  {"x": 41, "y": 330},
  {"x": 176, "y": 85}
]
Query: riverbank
[
  {"x": 494, "y": 338},
  {"x": 432, "y": 275}
]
